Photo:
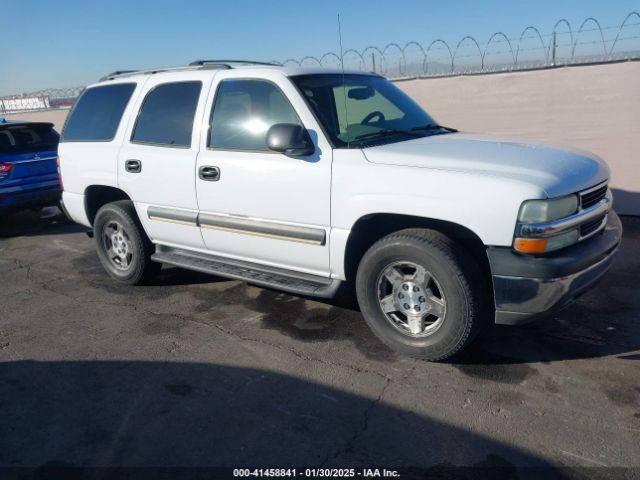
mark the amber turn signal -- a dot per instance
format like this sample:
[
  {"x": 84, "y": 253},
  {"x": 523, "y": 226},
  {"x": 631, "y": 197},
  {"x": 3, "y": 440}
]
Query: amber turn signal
[{"x": 530, "y": 245}]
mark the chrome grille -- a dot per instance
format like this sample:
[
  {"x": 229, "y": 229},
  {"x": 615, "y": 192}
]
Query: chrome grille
[{"x": 590, "y": 197}]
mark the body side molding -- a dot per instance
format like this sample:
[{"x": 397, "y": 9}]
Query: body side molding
[
  {"x": 280, "y": 231},
  {"x": 172, "y": 215},
  {"x": 314, "y": 236}
]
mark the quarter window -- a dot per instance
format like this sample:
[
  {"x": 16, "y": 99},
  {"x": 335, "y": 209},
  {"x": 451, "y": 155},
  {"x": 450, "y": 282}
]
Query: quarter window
[
  {"x": 97, "y": 114},
  {"x": 166, "y": 115},
  {"x": 243, "y": 112}
]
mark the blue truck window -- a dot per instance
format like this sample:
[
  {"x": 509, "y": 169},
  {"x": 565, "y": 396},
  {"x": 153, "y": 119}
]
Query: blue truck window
[{"x": 97, "y": 114}]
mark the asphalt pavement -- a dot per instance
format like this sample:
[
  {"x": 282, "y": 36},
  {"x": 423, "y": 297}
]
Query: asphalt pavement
[{"x": 198, "y": 371}]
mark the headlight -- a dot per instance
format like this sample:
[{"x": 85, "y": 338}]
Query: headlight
[{"x": 540, "y": 211}]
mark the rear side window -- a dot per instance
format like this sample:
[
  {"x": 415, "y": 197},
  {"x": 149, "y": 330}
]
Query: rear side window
[
  {"x": 28, "y": 138},
  {"x": 166, "y": 116},
  {"x": 97, "y": 114}
]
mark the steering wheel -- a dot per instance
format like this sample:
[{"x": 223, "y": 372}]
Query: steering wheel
[{"x": 377, "y": 114}]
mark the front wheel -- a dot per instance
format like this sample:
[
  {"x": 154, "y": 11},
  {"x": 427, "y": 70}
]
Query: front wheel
[
  {"x": 122, "y": 245},
  {"x": 421, "y": 293}
]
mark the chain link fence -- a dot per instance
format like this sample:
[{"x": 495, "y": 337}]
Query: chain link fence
[{"x": 531, "y": 49}]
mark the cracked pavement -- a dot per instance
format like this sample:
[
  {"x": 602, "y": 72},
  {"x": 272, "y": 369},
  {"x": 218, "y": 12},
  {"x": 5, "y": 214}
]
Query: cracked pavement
[{"x": 196, "y": 370}]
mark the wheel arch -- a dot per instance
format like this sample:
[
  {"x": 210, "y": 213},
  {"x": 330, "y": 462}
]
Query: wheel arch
[
  {"x": 370, "y": 228},
  {"x": 96, "y": 196}
]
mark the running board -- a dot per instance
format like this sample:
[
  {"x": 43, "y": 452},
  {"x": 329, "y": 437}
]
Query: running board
[{"x": 270, "y": 277}]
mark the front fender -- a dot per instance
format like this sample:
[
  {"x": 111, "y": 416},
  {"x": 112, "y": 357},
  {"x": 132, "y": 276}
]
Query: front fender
[{"x": 486, "y": 205}]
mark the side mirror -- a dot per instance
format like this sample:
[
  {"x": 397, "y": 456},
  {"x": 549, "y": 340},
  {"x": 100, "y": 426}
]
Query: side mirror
[{"x": 290, "y": 139}]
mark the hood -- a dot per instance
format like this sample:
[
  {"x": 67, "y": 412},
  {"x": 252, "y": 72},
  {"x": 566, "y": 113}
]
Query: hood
[{"x": 556, "y": 170}]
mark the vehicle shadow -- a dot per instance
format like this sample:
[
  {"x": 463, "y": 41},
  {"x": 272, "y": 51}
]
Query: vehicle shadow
[
  {"x": 29, "y": 223},
  {"x": 604, "y": 322},
  {"x": 87, "y": 414},
  {"x": 174, "y": 276},
  {"x": 581, "y": 331}
]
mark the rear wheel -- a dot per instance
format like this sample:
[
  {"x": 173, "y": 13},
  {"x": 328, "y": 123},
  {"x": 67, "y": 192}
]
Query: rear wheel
[
  {"x": 122, "y": 245},
  {"x": 421, "y": 293}
]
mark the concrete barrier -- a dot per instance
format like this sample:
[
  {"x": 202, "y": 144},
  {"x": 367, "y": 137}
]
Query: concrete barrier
[
  {"x": 56, "y": 116},
  {"x": 596, "y": 108}
]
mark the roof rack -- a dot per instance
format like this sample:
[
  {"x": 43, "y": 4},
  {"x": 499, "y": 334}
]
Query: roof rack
[
  {"x": 117, "y": 73},
  {"x": 127, "y": 73},
  {"x": 197, "y": 64},
  {"x": 228, "y": 63}
]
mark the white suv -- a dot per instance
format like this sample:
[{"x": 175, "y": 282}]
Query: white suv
[{"x": 304, "y": 179}]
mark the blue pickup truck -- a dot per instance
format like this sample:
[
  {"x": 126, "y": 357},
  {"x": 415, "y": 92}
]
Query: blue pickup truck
[{"x": 28, "y": 165}]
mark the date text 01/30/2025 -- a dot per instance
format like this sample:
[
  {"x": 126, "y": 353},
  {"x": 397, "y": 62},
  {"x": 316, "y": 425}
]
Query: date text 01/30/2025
[{"x": 316, "y": 472}]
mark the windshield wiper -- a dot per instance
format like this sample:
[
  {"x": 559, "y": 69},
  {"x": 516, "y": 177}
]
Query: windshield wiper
[
  {"x": 433, "y": 126},
  {"x": 386, "y": 132}
]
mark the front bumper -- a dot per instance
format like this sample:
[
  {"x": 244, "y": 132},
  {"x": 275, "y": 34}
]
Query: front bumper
[{"x": 527, "y": 287}]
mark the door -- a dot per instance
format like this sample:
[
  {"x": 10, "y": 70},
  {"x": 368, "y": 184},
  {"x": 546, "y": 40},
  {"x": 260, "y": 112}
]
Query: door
[
  {"x": 255, "y": 204},
  {"x": 157, "y": 162}
]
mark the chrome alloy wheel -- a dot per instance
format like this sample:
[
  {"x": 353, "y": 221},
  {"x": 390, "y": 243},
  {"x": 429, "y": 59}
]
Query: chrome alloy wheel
[
  {"x": 411, "y": 298},
  {"x": 117, "y": 245}
]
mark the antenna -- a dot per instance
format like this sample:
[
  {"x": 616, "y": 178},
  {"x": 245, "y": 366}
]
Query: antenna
[{"x": 344, "y": 83}]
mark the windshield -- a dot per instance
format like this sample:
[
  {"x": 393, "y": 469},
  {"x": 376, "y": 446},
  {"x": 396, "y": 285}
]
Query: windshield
[{"x": 361, "y": 110}]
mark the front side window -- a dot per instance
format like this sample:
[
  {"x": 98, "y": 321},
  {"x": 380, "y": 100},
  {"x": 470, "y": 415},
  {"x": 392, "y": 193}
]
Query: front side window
[
  {"x": 243, "y": 112},
  {"x": 97, "y": 113},
  {"x": 167, "y": 113},
  {"x": 361, "y": 110}
]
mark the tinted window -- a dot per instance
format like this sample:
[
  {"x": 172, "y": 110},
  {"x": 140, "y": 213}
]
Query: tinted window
[
  {"x": 244, "y": 111},
  {"x": 97, "y": 114},
  {"x": 28, "y": 138},
  {"x": 166, "y": 116}
]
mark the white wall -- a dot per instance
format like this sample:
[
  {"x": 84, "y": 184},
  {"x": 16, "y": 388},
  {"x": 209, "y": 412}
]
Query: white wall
[
  {"x": 57, "y": 117},
  {"x": 596, "y": 108}
]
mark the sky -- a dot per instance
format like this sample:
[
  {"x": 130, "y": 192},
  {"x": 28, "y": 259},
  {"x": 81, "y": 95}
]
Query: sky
[{"x": 52, "y": 44}]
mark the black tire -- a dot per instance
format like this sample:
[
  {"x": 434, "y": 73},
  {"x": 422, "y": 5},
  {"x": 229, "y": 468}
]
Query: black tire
[
  {"x": 139, "y": 268},
  {"x": 459, "y": 278}
]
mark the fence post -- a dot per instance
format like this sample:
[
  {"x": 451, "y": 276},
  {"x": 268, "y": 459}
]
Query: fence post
[
  {"x": 553, "y": 51},
  {"x": 373, "y": 61}
]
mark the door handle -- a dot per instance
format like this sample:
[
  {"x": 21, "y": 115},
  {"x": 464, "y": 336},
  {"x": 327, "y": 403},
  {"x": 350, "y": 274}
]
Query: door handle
[
  {"x": 211, "y": 174},
  {"x": 133, "y": 166}
]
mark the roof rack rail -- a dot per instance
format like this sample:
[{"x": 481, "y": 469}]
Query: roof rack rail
[
  {"x": 227, "y": 63},
  {"x": 127, "y": 73},
  {"x": 117, "y": 73},
  {"x": 197, "y": 64}
]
